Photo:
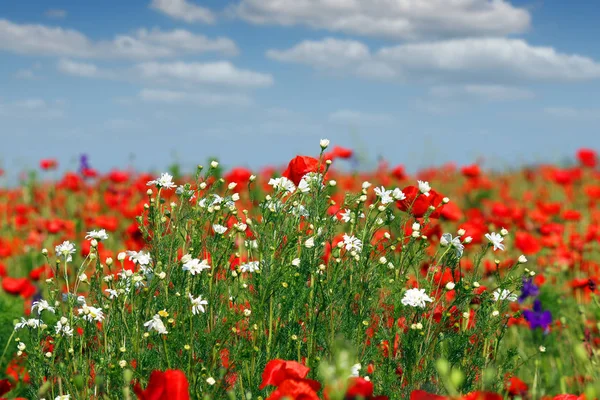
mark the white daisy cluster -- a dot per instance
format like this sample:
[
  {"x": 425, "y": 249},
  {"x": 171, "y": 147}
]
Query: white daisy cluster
[
  {"x": 416, "y": 298},
  {"x": 97, "y": 235},
  {"x": 282, "y": 184},
  {"x": 164, "y": 181},
  {"x": 389, "y": 196}
]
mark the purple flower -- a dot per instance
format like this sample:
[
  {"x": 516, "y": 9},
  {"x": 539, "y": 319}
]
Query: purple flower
[
  {"x": 538, "y": 318},
  {"x": 529, "y": 290}
]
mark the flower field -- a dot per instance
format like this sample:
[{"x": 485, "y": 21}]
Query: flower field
[{"x": 302, "y": 282}]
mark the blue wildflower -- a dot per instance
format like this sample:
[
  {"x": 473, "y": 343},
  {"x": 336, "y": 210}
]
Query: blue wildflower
[
  {"x": 537, "y": 317},
  {"x": 529, "y": 290}
]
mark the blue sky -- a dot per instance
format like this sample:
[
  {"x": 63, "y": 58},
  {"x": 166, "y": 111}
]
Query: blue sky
[{"x": 254, "y": 82}]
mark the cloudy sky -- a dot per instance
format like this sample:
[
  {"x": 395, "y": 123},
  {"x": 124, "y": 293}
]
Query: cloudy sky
[{"x": 419, "y": 82}]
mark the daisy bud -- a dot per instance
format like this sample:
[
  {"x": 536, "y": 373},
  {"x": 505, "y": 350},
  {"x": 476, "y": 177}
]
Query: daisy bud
[
  {"x": 324, "y": 143},
  {"x": 92, "y": 256},
  {"x": 532, "y": 273},
  {"x": 210, "y": 380},
  {"x": 366, "y": 184},
  {"x": 522, "y": 259},
  {"x": 332, "y": 183},
  {"x": 122, "y": 363},
  {"x": 309, "y": 243},
  {"x": 94, "y": 243},
  {"x": 214, "y": 164},
  {"x": 121, "y": 256},
  {"x": 416, "y": 234},
  {"x": 431, "y": 208},
  {"x": 387, "y": 235},
  {"x": 83, "y": 277},
  {"x": 203, "y": 185},
  {"x": 381, "y": 208},
  {"x": 416, "y": 226},
  {"x": 235, "y": 197},
  {"x": 461, "y": 232},
  {"x": 476, "y": 284},
  {"x": 503, "y": 232},
  {"x": 382, "y": 260},
  {"x": 231, "y": 186},
  {"x": 108, "y": 261},
  {"x": 247, "y": 312},
  {"x": 362, "y": 198},
  {"x": 252, "y": 178},
  {"x": 542, "y": 349},
  {"x": 45, "y": 251},
  {"x": 48, "y": 354},
  {"x": 468, "y": 239},
  {"x": 296, "y": 262},
  {"x": 162, "y": 275},
  {"x": 328, "y": 162},
  {"x": 445, "y": 200},
  {"x": 149, "y": 192},
  {"x": 450, "y": 286},
  {"x": 495, "y": 313}
]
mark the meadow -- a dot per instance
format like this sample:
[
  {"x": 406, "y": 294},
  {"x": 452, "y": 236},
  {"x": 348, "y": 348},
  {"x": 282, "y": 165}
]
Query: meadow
[{"x": 303, "y": 282}]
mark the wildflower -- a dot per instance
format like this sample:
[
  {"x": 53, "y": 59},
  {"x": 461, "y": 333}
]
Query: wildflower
[
  {"x": 346, "y": 215},
  {"x": 197, "y": 304},
  {"x": 251, "y": 267},
  {"x": 97, "y": 235},
  {"x": 122, "y": 363},
  {"x": 91, "y": 313},
  {"x": 165, "y": 181},
  {"x": 309, "y": 243},
  {"x": 210, "y": 380},
  {"x": 42, "y": 305},
  {"x": 112, "y": 294},
  {"x": 156, "y": 324},
  {"x": 448, "y": 240},
  {"x": 504, "y": 294},
  {"x": 65, "y": 250},
  {"x": 171, "y": 384},
  {"x": 220, "y": 229},
  {"x": 384, "y": 195},
  {"x": 522, "y": 259},
  {"x": 141, "y": 257},
  {"x": 21, "y": 346},
  {"x": 398, "y": 194},
  {"x": 31, "y": 323},
  {"x": 416, "y": 298},
  {"x": 63, "y": 397},
  {"x": 283, "y": 184},
  {"x": 62, "y": 328},
  {"x": 538, "y": 318},
  {"x": 324, "y": 143},
  {"x": 195, "y": 266},
  {"x": 496, "y": 240},
  {"x": 529, "y": 289},
  {"x": 352, "y": 243},
  {"x": 424, "y": 187}
]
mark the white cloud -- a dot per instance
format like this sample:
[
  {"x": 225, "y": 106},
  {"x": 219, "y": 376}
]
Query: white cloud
[
  {"x": 142, "y": 44},
  {"x": 222, "y": 73},
  {"x": 184, "y": 10},
  {"x": 475, "y": 59},
  {"x": 398, "y": 19},
  {"x": 85, "y": 70},
  {"x": 199, "y": 99},
  {"x": 55, "y": 13},
  {"x": 32, "y": 108},
  {"x": 486, "y": 92},
  {"x": 351, "y": 117},
  {"x": 576, "y": 113}
]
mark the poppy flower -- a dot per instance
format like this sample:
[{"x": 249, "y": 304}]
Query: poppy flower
[
  {"x": 296, "y": 389},
  {"x": 360, "y": 388},
  {"x": 423, "y": 395},
  {"x": 48, "y": 164},
  {"x": 277, "y": 371},
  {"x": 587, "y": 158},
  {"x": 517, "y": 387},
  {"x": 5, "y": 386},
  {"x": 168, "y": 385},
  {"x": 417, "y": 204},
  {"x": 300, "y": 166}
]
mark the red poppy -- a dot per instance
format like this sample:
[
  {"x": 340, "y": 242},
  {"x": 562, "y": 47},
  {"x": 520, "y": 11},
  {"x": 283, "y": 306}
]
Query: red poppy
[
  {"x": 423, "y": 395},
  {"x": 360, "y": 388},
  {"x": 5, "y": 386},
  {"x": 168, "y": 385},
  {"x": 471, "y": 171},
  {"x": 277, "y": 371},
  {"x": 588, "y": 157},
  {"x": 527, "y": 243},
  {"x": 296, "y": 389},
  {"x": 417, "y": 203},
  {"x": 516, "y": 387},
  {"x": 339, "y": 152},
  {"x": 48, "y": 164},
  {"x": 20, "y": 286},
  {"x": 300, "y": 166}
]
